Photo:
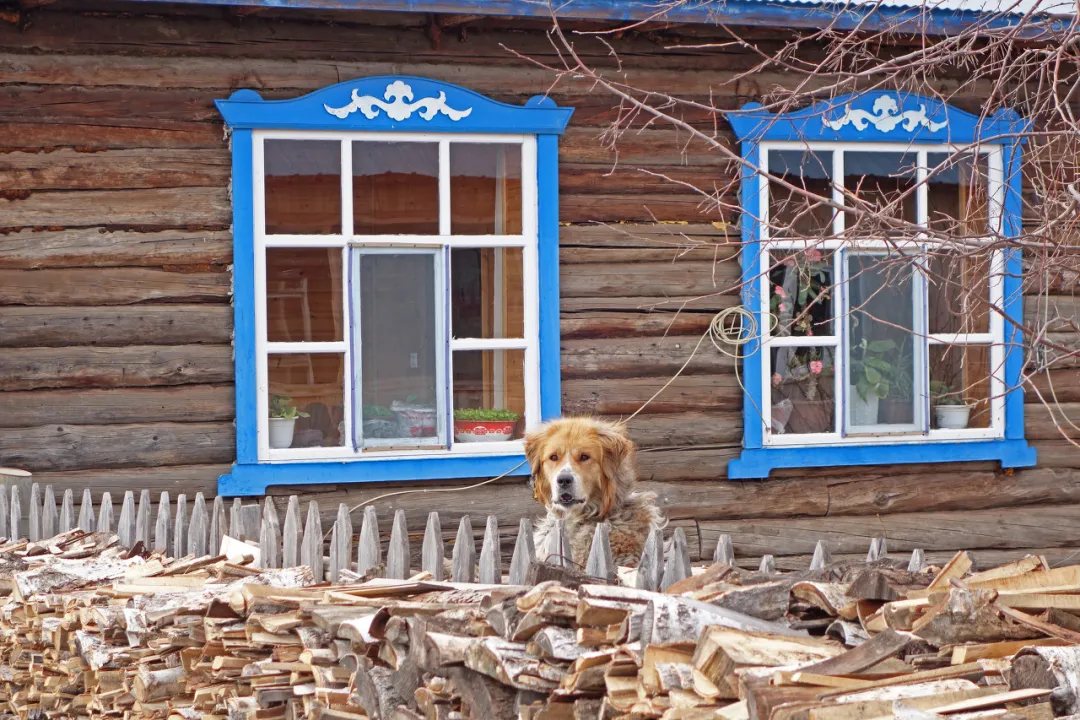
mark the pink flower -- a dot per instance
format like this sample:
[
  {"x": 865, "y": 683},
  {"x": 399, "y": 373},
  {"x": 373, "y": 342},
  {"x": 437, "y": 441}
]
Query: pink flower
[
  {"x": 783, "y": 307},
  {"x": 809, "y": 331},
  {"x": 776, "y": 379},
  {"x": 779, "y": 291},
  {"x": 813, "y": 256},
  {"x": 816, "y": 367}
]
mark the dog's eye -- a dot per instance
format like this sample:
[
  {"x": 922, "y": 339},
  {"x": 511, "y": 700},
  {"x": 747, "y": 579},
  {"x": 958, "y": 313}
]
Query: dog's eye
[
  {"x": 554, "y": 457},
  {"x": 584, "y": 457}
]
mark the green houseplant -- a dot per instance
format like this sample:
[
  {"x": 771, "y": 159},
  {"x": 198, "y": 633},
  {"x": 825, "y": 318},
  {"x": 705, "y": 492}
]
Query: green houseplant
[
  {"x": 283, "y": 416},
  {"x": 869, "y": 380},
  {"x": 484, "y": 424},
  {"x": 951, "y": 411}
]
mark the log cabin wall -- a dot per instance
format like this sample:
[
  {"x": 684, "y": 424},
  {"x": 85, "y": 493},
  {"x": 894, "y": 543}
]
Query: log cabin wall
[{"x": 116, "y": 368}]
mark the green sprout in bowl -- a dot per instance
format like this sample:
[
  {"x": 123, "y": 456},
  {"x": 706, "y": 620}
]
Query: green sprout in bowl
[{"x": 479, "y": 414}]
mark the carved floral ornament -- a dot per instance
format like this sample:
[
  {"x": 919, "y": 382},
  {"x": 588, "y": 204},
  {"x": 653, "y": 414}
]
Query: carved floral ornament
[
  {"x": 885, "y": 117},
  {"x": 398, "y": 104}
]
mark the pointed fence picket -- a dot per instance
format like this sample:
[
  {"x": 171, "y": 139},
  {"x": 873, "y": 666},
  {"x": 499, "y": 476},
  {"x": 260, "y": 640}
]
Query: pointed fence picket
[{"x": 177, "y": 530}]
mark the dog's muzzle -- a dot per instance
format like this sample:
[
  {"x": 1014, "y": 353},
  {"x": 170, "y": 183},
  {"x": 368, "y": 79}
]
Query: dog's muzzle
[{"x": 564, "y": 489}]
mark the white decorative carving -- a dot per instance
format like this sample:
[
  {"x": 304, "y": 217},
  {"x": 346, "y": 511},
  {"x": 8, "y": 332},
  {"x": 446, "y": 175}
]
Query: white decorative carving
[
  {"x": 886, "y": 116},
  {"x": 398, "y": 105}
]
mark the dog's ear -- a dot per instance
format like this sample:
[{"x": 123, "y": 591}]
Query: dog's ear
[
  {"x": 617, "y": 448},
  {"x": 534, "y": 447}
]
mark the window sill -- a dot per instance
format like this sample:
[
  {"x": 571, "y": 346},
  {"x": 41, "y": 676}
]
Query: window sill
[
  {"x": 757, "y": 463},
  {"x": 376, "y": 454},
  {"x": 247, "y": 480}
]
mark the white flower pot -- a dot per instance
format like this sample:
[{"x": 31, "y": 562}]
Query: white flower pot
[
  {"x": 952, "y": 417},
  {"x": 281, "y": 432},
  {"x": 863, "y": 412}
]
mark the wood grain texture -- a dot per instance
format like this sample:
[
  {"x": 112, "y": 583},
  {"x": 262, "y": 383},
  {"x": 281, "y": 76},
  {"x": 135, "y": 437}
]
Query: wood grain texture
[
  {"x": 687, "y": 277},
  {"x": 116, "y": 326},
  {"x": 77, "y": 447},
  {"x": 584, "y": 396},
  {"x": 634, "y": 357},
  {"x": 110, "y": 286},
  {"x": 134, "y": 366},
  {"x": 181, "y": 403},
  {"x": 1002, "y": 528},
  {"x": 188, "y": 479},
  {"x": 157, "y": 207},
  {"x": 99, "y": 247},
  {"x": 68, "y": 169}
]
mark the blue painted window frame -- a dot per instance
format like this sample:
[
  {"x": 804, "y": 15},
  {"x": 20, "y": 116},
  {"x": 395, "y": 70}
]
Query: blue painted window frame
[
  {"x": 246, "y": 111},
  {"x": 944, "y": 124}
]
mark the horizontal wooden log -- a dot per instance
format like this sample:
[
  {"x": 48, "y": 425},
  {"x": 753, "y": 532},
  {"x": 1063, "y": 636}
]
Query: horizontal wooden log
[
  {"x": 624, "y": 324},
  {"x": 98, "y": 247},
  {"x": 586, "y": 396},
  {"x": 704, "y": 252},
  {"x": 684, "y": 429},
  {"x": 637, "y": 279},
  {"x": 635, "y": 357},
  {"x": 654, "y": 236},
  {"x": 182, "y": 403},
  {"x": 164, "y": 207},
  {"x": 134, "y": 366},
  {"x": 1052, "y": 421},
  {"x": 637, "y": 208},
  {"x": 1006, "y": 528},
  {"x": 85, "y": 447},
  {"x": 188, "y": 479},
  {"x": 1054, "y": 385},
  {"x": 110, "y": 286},
  {"x": 116, "y": 326},
  {"x": 669, "y": 303},
  {"x": 67, "y": 169},
  {"x": 102, "y": 134}
]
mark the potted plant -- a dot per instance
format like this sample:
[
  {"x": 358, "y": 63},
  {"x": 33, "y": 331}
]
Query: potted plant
[
  {"x": 283, "y": 415},
  {"x": 484, "y": 424},
  {"x": 809, "y": 377},
  {"x": 869, "y": 380},
  {"x": 950, "y": 409}
]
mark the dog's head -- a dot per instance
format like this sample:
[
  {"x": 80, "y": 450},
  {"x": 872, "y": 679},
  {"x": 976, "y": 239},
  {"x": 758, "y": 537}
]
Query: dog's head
[{"x": 580, "y": 464}]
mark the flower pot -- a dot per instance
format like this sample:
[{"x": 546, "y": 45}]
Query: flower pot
[
  {"x": 483, "y": 430},
  {"x": 281, "y": 432},
  {"x": 414, "y": 421},
  {"x": 810, "y": 416},
  {"x": 863, "y": 411},
  {"x": 952, "y": 417}
]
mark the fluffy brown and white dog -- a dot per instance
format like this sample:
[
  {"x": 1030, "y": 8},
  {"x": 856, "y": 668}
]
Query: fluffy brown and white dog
[{"x": 584, "y": 471}]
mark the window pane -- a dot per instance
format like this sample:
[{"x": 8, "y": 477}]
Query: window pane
[
  {"x": 791, "y": 213},
  {"x": 801, "y": 293},
  {"x": 395, "y": 188},
  {"x": 489, "y": 380},
  {"x": 303, "y": 295},
  {"x": 883, "y": 187},
  {"x": 958, "y": 292},
  {"x": 399, "y": 348},
  {"x": 487, "y": 293},
  {"x": 303, "y": 187},
  {"x": 313, "y": 384},
  {"x": 881, "y": 373},
  {"x": 803, "y": 390},
  {"x": 960, "y": 386},
  {"x": 957, "y": 193},
  {"x": 485, "y": 189}
]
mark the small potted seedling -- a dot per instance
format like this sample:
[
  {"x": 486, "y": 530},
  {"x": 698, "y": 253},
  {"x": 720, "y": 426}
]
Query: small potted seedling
[
  {"x": 484, "y": 424},
  {"x": 283, "y": 415},
  {"x": 951, "y": 411}
]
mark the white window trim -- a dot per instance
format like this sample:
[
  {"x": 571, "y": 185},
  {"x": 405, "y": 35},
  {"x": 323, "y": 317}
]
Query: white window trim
[
  {"x": 444, "y": 241},
  {"x": 995, "y": 336}
]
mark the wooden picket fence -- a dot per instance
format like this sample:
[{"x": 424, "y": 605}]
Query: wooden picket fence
[{"x": 301, "y": 541}]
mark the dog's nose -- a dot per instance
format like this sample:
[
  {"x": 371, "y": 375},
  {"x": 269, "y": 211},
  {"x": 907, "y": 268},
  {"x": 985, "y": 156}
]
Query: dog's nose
[{"x": 564, "y": 479}]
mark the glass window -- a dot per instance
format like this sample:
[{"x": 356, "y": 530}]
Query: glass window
[
  {"x": 395, "y": 188},
  {"x": 798, "y": 199},
  {"x": 886, "y": 332},
  {"x": 379, "y": 344},
  {"x": 485, "y": 189},
  {"x": 303, "y": 187}
]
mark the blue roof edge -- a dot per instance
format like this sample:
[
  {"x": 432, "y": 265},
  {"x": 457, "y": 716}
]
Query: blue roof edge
[{"x": 842, "y": 16}]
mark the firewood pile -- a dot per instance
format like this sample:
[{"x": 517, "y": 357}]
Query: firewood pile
[{"x": 92, "y": 629}]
